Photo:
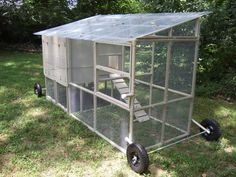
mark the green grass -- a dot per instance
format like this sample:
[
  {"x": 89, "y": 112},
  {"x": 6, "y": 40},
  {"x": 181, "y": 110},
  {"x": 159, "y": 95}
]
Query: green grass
[{"x": 37, "y": 138}]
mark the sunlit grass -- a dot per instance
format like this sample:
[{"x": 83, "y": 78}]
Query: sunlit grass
[{"x": 37, "y": 138}]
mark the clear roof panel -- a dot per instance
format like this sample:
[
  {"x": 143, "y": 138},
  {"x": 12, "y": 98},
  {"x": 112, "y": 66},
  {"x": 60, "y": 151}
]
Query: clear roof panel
[{"x": 122, "y": 28}]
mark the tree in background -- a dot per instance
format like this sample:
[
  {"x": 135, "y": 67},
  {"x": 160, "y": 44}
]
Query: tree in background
[
  {"x": 217, "y": 64},
  {"x": 217, "y": 68},
  {"x": 18, "y": 23}
]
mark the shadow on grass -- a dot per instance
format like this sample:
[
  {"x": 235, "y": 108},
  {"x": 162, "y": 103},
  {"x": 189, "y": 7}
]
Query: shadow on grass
[
  {"x": 49, "y": 137},
  {"x": 35, "y": 130},
  {"x": 198, "y": 157}
]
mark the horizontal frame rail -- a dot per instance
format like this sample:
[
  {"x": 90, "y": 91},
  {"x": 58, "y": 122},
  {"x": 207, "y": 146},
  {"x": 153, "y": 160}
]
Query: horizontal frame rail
[
  {"x": 163, "y": 103},
  {"x": 143, "y": 74},
  {"x": 103, "y": 96},
  {"x": 110, "y": 54},
  {"x": 187, "y": 137},
  {"x": 160, "y": 87},
  {"x": 167, "y": 124},
  {"x": 81, "y": 87},
  {"x": 111, "y": 78},
  {"x": 168, "y": 38},
  {"x": 99, "y": 134},
  {"x": 112, "y": 100},
  {"x": 114, "y": 71}
]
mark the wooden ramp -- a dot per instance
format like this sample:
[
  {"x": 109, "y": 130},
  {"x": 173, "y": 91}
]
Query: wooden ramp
[{"x": 123, "y": 88}]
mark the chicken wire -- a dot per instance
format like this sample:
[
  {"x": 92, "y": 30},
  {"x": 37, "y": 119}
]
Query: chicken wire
[{"x": 96, "y": 100}]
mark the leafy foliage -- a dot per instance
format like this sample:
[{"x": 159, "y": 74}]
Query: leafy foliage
[
  {"x": 18, "y": 23},
  {"x": 217, "y": 64}
]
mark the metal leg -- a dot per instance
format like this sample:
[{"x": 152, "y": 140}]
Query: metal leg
[
  {"x": 199, "y": 125},
  {"x": 128, "y": 140},
  {"x": 176, "y": 142}
]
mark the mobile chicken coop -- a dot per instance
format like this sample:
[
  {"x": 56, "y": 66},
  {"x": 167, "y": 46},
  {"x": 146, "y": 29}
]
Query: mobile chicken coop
[{"x": 129, "y": 78}]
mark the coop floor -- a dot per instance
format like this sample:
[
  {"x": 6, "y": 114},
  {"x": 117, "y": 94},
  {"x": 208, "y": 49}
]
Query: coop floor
[{"x": 113, "y": 123}]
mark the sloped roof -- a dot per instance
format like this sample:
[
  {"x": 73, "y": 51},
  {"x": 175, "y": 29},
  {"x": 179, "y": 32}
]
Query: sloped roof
[{"x": 122, "y": 28}]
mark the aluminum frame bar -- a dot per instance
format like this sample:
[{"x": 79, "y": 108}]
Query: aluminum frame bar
[
  {"x": 197, "y": 34},
  {"x": 176, "y": 142},
  {"x": 162, "y": 88},
  {"x": 111, "y": 70}
]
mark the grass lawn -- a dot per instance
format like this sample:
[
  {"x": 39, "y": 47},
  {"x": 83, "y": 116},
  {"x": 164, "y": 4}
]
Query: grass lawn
[{"x": 37, "y": 138}]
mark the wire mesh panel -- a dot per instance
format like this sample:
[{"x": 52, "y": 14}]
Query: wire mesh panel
[
  {"x": 62, "y": 95},
  {"x": 126, "y": 59},
  {"x": 74, "y": 99},
  {"x": 163, "y": 33},
  {"x": 181, "y": 67},
  {"x": 109, "y": 55},
  {"x": 113, "y": 66},
  {"x": 185, "y": 29},
  {"x": 110, "y": 87},
  {"x": 112, "y": 122},
  {"x": 50, "y": 88},
  {"x": 143, "y": 57},
  {"x": 81, "y": 105},
  {"x": 148, "y": 133},
  {"x": 143, "y": 65},
  {"x": 177, "y": 117},
  {"x": 142, "y": 94},
  {"x": 159, "y": 66}
]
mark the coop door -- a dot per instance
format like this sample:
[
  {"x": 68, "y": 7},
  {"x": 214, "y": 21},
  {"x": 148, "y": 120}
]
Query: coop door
[{"x": 114, "y": 62}]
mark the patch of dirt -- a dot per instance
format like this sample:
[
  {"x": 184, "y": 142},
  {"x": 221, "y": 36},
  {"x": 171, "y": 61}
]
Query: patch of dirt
[
  {"x": 3, "y": 138},
  {"x": 157, "y": 171},
  {"x": 5, "y": 159},
  {"x": 229, "y": 149}
]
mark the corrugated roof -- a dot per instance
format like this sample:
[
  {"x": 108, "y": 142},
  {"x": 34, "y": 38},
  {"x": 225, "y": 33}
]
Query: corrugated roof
[{"x": 122, "y": 28}]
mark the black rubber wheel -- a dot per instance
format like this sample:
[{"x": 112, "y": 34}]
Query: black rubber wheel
[
  {"x": 214, "y": 128},
  {"x": 38, "y": 89},
  {"x": 137, "y": 158}
]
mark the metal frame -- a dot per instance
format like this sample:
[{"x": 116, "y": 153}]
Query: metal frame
[{"x": 131, "y": 95}]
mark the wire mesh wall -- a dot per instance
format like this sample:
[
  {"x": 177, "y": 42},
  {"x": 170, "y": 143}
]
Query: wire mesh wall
[{"x": 142, "y": 91}]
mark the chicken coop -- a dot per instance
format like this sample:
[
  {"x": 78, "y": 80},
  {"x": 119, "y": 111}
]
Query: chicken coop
[{"x": 130, "y": 78}]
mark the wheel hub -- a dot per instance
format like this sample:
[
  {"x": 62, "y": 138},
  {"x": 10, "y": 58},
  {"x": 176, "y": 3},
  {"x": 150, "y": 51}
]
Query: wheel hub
[
  {"x": 134, "y": 160},
  {"x": 210, "y": 128}
]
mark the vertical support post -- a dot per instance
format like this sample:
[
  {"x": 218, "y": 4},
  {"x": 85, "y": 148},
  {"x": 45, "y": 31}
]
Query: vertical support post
[
  {"x": 45, "y": 82},
  {"x": 68, "y": 59},
  {"x": 197, "y": 34},
  {"x": 130, "y": 65},
  {"x": 167, "y": 73},
  {"x": 81, "y": 100},
  {"x": 122, "y": 63},
  {"x": 55, "y": 91},
  {"x": 132, "y": 87},
  {"x": 54, "y": 43},
  {"x": 105, "y": 85},
  {"x": 151, "y": 79},
  {"x": 44, "y": 58},
  {"x": 95, "y": 86},
  {"x": 122, "y": 57},
  {"x": 112, "y": 89}
]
